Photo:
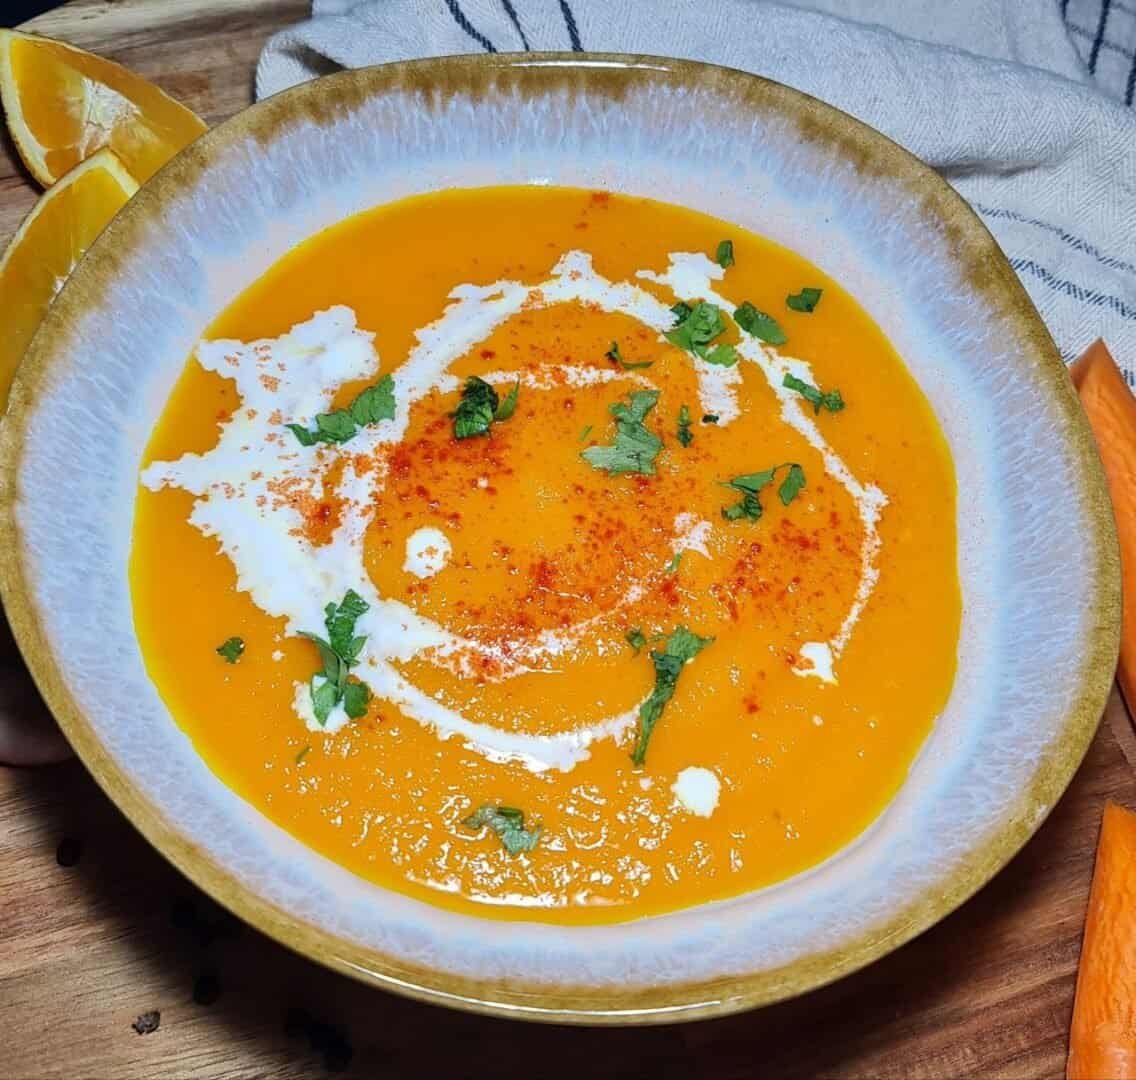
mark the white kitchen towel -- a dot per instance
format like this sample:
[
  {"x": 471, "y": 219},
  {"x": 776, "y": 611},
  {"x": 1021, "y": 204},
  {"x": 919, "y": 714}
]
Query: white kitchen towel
[{"x": 992, "y": 93}]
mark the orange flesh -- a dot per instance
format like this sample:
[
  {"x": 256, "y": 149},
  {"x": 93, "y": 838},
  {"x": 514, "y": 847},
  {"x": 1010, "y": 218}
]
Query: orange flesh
[
  {"x": 71, "y": 103},
  {"x": 541, "y": 541},
  {"x": 1102, "y": 1042},
  {"x": 51, "y": 241}
]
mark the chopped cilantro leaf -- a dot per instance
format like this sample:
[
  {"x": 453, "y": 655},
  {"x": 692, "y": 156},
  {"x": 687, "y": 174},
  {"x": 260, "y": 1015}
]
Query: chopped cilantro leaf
[
  {"x": 635, "y": 448},
  {"x": 585, "y": 433},
  {"x": 375, "y": 403},
  {"x": 325, "y": 696},
  {"x": 672, "y": 566},
  {"x": 684, "y": 434},
  {"x": 509, "y": 405},
  {"x": 509, "y": 825},
  {"x": 476, "y": 410},
  {"x": 480, "y": 407},
  {"x": 340, "y": 621},
  {"x": 696, "y": 327},
  {"x": 751, "y": 485},
  {"x": 829, "y": 399},
  {"x": 616, "y": 357},
  {"x": 760, "y": 325},
  {"x": 231, "y": 649},
  {"x": 335, "y": 427},
  {"x": 724, "y": 256},
  {"x": 305, "y": 437},
  {"x": 806, "y": 300},
  {"x": 303, "y": 753},
  {"x": 636, "y": 639},
  {"x": 709, "y": 418},
  {"x": 356, "y": 695},
  {"x": 748, "y": 506},
  {"x": 681, "y": 646},
  {"x": 371, "y": 405},
  {"x": 339, "y": 652},
  {"x": 722, "y": 355},
  {"x": 792, "y": 484}
]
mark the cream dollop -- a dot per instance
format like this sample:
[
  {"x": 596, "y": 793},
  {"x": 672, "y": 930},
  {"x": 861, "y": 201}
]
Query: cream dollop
[
  {"x": 697, "y": 790},
  {"x": 427, "y": 552}
]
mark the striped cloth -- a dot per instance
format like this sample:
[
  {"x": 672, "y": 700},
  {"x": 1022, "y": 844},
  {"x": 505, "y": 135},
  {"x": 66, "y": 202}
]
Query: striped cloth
[
  {"x": 1020, "y": 104},
  {"x": 1104, "y": 35}
]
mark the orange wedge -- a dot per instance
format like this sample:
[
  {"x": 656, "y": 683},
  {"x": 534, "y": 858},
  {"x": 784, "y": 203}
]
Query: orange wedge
[
  {"x": 63, "y": 104},
  {"x": 45, "y": 249}
]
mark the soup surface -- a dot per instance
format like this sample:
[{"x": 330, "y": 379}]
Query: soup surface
[{"x": 627, "y": 538}]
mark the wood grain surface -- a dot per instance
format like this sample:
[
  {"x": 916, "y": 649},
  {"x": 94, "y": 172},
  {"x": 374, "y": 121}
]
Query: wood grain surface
[{"x": 86, "y": 949}]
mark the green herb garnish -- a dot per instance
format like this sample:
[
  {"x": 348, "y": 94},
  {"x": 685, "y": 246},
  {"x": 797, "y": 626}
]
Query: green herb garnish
[
  {"x": 829, "y": 399},
  {"x": 709, "y": 418},
  {"x": 792, "y": 485},
  {"x": 369, "y": 407},
  {"x": 339, "y": 652},
  {"x": 681, "y": 646},
  {"x": 696, "y": 327},
  {"x": 685, "y": 437},
  {"x": 672, "y": 566},
  {"x": 636, "y": 639},
  {"x": 616, "y": 357},
  {"x": 480, "y": 407},
  {"x": 509, "y": 825},
  {"x": 585, "y": 433},
  {"x": 635, "y": 448},
  {"x": 751, "y": 485},
  {"x": 509, "y": 405},
  {"x": 722, "y": 355},
  {"x": 748, "y": 506},
  {"x": 806, "y": 300},
  {"x": 724, "y": 256},
  {"x": 303, "y": 754},
  {"x": 231, "y": 649},
  {"x": 760, "y": 325}
]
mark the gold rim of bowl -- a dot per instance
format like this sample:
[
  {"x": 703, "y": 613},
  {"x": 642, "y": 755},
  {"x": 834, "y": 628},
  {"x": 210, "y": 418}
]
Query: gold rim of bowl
[{"x": 611, "y": 76}]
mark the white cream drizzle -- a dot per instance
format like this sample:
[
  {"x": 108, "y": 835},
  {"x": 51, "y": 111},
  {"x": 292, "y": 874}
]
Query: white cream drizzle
[
  {"x": 691, "y": 534},
  {"x": 818, "y": 655},
  {"x": 295, "y": 376}
]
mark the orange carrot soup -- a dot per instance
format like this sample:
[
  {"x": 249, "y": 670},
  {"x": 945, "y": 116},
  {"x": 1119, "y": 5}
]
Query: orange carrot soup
[{"x": 551, "y": 554}]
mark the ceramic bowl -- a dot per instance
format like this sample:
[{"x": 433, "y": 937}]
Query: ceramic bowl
[{"x": 1037, "y": 550}]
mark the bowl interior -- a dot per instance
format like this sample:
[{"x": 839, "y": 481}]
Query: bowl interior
[{"x": 1036, "y": 553}]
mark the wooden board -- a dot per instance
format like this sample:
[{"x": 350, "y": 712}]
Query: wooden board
[{"x": 84, "y": 950}]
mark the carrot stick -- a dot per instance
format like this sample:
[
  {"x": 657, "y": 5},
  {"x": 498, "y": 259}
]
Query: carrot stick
[
  {"x": 1102, "y": 1042},
  {"x": 1111, "y": 409}
]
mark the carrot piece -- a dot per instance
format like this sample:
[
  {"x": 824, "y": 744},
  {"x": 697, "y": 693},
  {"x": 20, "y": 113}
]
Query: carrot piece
[
  {"x": 1102, "y": 1042},
  {"x": 1111, "y": 408}
]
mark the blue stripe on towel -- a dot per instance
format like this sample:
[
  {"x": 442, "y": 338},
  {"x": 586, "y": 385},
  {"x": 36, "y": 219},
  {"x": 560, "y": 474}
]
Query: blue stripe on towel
[
  {"x": 573, "y": 29},
  {"x": 512, "y": 13},
  {"x": 468, "y": 27},
  {"x": 1081, "y": 32},
  {"x": 1099, "y": 39},
  {"x": 1074, "y": 242},
  {"x": 1077, "y": 292}
]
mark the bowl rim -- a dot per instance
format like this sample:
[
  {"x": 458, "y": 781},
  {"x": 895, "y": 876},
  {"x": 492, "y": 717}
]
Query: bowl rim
[{"x": 608, "y": 73}]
